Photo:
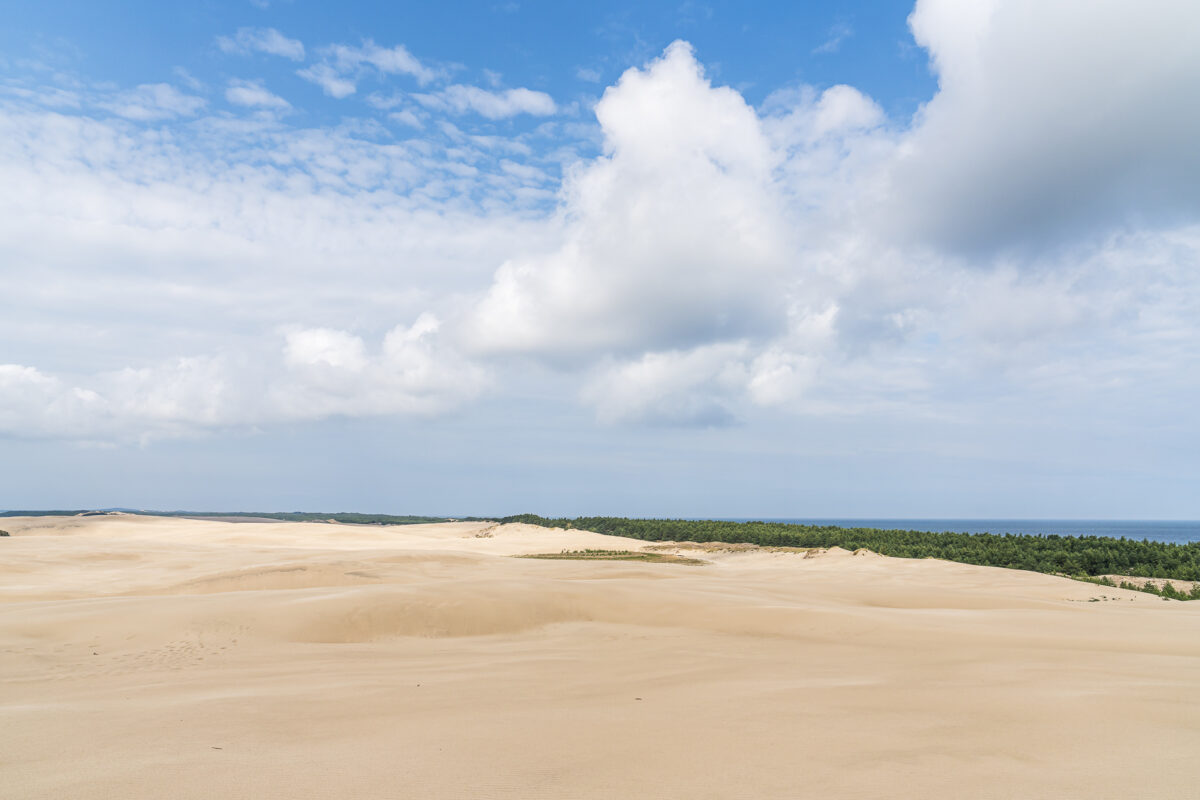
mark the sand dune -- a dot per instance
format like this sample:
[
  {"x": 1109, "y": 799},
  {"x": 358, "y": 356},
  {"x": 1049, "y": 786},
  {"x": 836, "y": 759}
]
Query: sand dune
[{"x": 148, "y": 658}]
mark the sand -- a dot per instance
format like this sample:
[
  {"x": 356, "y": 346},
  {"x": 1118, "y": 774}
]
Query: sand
[{"x": 169, "y": 658}]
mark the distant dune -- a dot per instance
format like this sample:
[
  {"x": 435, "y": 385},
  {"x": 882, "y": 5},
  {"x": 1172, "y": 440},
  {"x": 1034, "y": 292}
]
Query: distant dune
[{"x": 147, "y": 657}]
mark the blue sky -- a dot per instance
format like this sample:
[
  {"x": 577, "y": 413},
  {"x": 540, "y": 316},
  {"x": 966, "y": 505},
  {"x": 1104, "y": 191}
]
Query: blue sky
[
  {"x": 711, "y": 259},
  {"x": 756, "y": 47}
]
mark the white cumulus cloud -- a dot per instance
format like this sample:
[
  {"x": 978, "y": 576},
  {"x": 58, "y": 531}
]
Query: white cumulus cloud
[
  {"x": 672, "y": 238},
  {"x": 330, "y": 372},
  {"x": 318, "y": 373},
  {"x": 692, "y": 387},
  {"x": 1051, "y": 120}
]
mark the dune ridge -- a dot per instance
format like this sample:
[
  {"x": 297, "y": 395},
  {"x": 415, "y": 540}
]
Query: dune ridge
[{"x": 152, "y": 657}]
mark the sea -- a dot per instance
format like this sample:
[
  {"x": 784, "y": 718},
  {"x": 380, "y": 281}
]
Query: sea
[{"x": 1174, "y": 531}]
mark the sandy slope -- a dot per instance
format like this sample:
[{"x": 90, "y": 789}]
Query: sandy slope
[{"x": 168, "y": 658}]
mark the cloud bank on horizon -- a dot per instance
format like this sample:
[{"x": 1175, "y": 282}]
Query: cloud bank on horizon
[{"x": 1030, "y": 238}]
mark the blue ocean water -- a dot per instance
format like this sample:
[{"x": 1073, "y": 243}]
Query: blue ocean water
[{"x": 1176, "y": 531}]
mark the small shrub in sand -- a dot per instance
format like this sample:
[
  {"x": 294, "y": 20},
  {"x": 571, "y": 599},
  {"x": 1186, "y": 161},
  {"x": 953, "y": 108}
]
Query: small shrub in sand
[{"x": 616, "y": 555}]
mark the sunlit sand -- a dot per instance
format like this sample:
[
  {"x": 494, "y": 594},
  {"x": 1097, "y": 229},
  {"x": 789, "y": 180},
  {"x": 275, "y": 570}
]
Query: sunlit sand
[{"x": 169, "y": 658}]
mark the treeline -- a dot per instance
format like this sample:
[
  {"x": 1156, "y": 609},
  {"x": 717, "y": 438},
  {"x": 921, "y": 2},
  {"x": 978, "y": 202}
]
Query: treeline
[{"x": 1067, "y": 555}]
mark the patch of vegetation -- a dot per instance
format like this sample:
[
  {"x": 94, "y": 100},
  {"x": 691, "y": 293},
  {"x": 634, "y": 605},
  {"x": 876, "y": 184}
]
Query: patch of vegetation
[
  {"x": 617, "y": 555},
  {"x": 4, "y": 533},
  {"x": 1166, "y": 589},
  {"x": 1089, "y": 556}
]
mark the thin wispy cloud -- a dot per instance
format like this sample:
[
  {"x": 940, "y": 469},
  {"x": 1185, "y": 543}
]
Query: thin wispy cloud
[
  {"x": 154, "y": 101},
  {"x": 460, "y": 99},
  {"x": 261, "y": 40},
  {"x": 838, "y": 33},
  {"x": 188, "y": 79},
  {"x": 332, "y": 82},
  {"x": 253, "y": 94},
  {"x": 342, "y": 66},
  {"x": 395, "y": 60},
  {"x": 407, "y": 117}
]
